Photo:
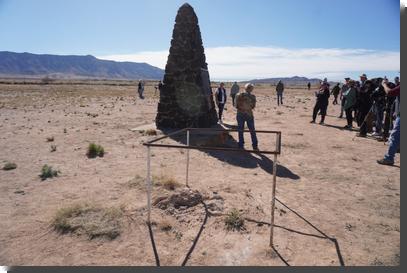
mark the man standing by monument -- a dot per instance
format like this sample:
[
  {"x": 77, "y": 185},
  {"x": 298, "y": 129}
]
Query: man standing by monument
[
  {"x": 220, "y": 97},
  {"x": 245, "y": 103}
]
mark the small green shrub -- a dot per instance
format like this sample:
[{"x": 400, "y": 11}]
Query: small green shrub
[
  {"x": 48, "y": 172},
  {"x": 9, "y": 166},
  {"x": 234, "y": 220},
  {"x": 95, "y": 150}
]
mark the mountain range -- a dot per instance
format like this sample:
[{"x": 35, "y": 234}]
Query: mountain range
[
  {"x": 65, "y": 67},
  {"x": 288, "y": 81}
]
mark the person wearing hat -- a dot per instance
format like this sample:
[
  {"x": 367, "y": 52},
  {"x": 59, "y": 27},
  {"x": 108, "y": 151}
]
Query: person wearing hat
[
  {"x": 245, "y": 104},
  {"x": 363, "y": 79},
  {"x": 344, "y": 88},
  {"x": 322, "y": 103},
  {"x": 350, "y": 96}
]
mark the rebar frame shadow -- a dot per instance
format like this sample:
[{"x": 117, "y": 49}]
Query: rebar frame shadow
[{"x": 188, "y": 147}]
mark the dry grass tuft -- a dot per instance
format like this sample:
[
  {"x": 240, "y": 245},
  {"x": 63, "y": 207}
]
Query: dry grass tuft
[
  {"x": 136, "y": 182},
  {"x": 90, "y": 220},
  {"x": 234, "y": 220},
  {"x": 9, "y": 166},
  {"x": 149, "y": 132},
  {"x": 165, "y": 226},
  {"x": 296, "y": 145},
  {"x": 168, "y": 183}
]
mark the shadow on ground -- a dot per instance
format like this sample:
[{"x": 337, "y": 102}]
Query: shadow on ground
[{"x": 241, "y": 159}]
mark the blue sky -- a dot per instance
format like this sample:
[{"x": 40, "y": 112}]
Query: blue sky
[{"x": 140, "y": 30}]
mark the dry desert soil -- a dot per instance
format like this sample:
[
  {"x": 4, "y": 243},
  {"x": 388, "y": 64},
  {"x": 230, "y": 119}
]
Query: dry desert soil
[{"x": 335, "y": 205}]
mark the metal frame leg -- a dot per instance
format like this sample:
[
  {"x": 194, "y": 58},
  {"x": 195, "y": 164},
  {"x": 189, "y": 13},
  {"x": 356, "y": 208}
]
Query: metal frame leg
[
  {"x": 187, "y": 168},
  {"x": 149, "y": 184},
  {"x": 273, "y": 200}
]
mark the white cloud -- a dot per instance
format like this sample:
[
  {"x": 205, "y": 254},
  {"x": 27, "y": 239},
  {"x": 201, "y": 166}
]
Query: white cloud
[
  {"x": 403, "y": 3},
  {"x": 243, "y": 63}
]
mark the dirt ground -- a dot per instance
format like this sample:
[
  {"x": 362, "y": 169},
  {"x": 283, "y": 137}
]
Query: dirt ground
[{"x": 329, "y": 186}]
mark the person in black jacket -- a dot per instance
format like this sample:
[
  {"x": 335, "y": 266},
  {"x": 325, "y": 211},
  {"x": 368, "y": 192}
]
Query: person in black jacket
[
  {"x": 335, "y": 91},
  {"x": 221, "y": 98},
  {"x": 322, "y": 103},
  {"x": 364, "y": 105},
  {"x": 379, "y": 104}
]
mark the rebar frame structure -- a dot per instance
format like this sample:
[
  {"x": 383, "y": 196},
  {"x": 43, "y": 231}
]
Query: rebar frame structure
[{"x": 188, "y": 147}]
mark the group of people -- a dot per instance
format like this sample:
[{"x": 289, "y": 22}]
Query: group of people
[{"x": 373, "y": 104}]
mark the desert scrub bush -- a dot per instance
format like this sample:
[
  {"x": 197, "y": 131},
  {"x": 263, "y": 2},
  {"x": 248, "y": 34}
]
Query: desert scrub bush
[
  {"x": 234, "y": 220},
  {"x": 9, "y": 166},
  {"x": 90, "y": 220},
  {"x": 165, "y": 226},
  {"x": 95, "y": 150},
  {"x": 137, "y": 182},
  {"x": 48, "y": 172},
  {"x": 50, "y": 139},
  {"x": 149, "y": 132},
  {"x": 168, "y": 183}
]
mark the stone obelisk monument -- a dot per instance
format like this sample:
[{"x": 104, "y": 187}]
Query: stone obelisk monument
[{"x": 186, "y": 98}]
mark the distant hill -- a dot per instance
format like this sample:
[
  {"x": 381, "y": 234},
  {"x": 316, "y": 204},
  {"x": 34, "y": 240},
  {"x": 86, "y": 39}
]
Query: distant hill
[
  {"x": 65, "y": 67},
  {"x": 288, "y": 81}
]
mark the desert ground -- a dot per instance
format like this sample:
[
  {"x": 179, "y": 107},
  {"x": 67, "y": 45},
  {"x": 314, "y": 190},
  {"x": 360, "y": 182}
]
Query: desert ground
[{"x": 335, "y": 205}]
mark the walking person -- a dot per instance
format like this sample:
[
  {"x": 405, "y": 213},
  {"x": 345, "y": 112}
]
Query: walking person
[
  {"x": 309, "y": 86},
  {"x": 322, "y": 102},
  {"x": 350, "y": 101},
  {"x": 394, "y": 140},
  {"x": 335, "y": 92},
  {"x": 234, "y": 91},
  {"x": 140, "y": 89},
  {"x": 344, "y": 88},
  {"x": 245, "y": 103},
  {"x": 280, "y": 91},
  {"x": 221, "y": 98}
]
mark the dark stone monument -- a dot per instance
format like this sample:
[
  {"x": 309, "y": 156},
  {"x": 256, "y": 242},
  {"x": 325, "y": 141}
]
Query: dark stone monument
[{"x": 186, "y": 98}]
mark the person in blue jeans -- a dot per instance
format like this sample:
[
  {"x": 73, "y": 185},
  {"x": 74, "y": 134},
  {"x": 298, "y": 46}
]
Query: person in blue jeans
[
  {"x": 245, "y": 103},
  {"x": 394, "y": 140}
]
